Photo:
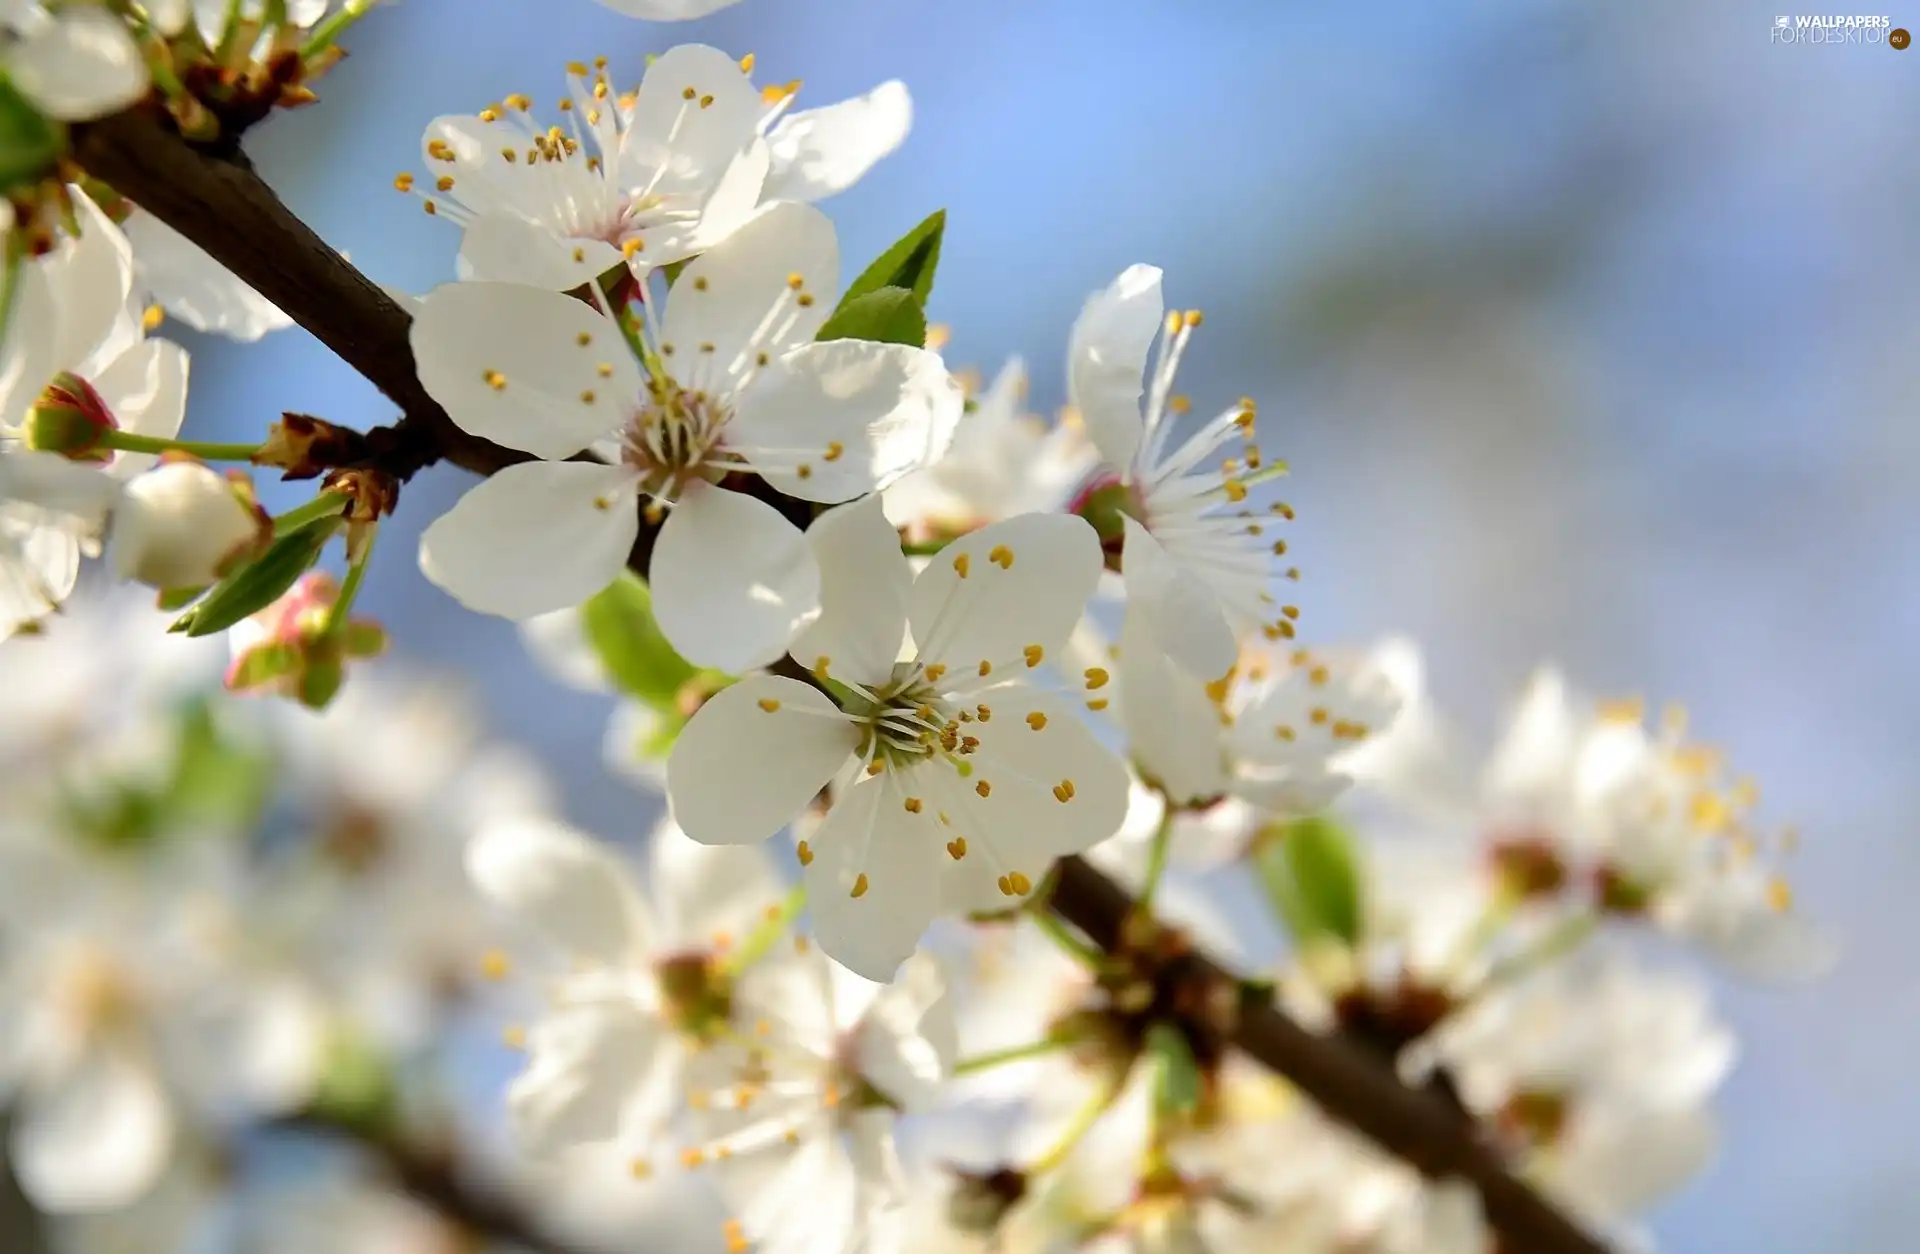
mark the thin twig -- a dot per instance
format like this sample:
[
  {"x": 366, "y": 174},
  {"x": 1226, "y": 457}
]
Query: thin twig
[{"x": 229, "y": 212}]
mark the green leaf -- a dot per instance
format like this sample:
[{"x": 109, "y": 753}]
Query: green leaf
[
  {"x": 1313, "y": 878},
  {"x": 910, "y": 263},
  {"x": 357, "y": 1086},
  {"x": 30, "y": 142},
  {"x": 890, "y": 316},
  {"x": 1176, "y": 1080},
  {"x": 259, "y": 583},
  {"x": 620, "y": 626}
]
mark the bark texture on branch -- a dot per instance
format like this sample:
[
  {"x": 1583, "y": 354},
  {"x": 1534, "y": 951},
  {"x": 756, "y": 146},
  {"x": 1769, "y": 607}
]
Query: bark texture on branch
[{"x": 226, "y": 209}]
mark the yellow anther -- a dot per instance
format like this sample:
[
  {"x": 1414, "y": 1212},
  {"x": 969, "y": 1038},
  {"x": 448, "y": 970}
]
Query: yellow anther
[
  {"x": 983, "y": 788},
  {"x": 432, "y": 210},
  {"x": 577, "y": 68},
  {"x": 1284, "y": 732},
  {"x": 1098, "y": 703},
  {"x": 1005, "y": 885},
  {"x": 1180, "y": 405},
  {"x": 1172, "y": 321},
  {"x": 1037, "y": 720},
  {"x": 1623, "y": 710},
  {"x": 1033, "y": 653},
  {"x": 1283, "y": 509},
  {"x": 983, "y": 712},
  {"x": 835, "y": 450},
  {"x": 629, "y": 248},
  {"x": 875, "y": 767},
  {"x": 640, "y": 1169},
  {"x": 1279, "y": 548},
  {"x": 583, "y": 339},
  {"x": 1063, "y": 791},
  {"x": 151, "y": 317},
  {"x": 792, "y": 1136},
  {"x": 518, "y": 102},
  {"x": 957, "y": 848},
  {"x": 495, "y": 380},
  {"x": 691, "y": 1158},
  {"x": 935, "y": 672},
  {"x": 1001, "y": 556},
  {"x": 960, "y": 565},
  {"x": 1096, "y": 678},
  {"x": 403, "y": 182},
  {"x": 775, "y": 94},
  {"x": 586, "y": 397},
  {"x": 688, "y": 93},
  {"x": 1192, "y": 318},
  {"x": 513, "y": 1037},
  {"x": 1236, "y": 490},
  {"x": 489, "y": 115},
  {"x": 604, "y": 370},
  {"x": 746, "y": 63},
  {"x": 444, "y": 183},
  {"x": 706, "y": 102},
  {"x": 804, "y": 300},
  {"x": 769, "y": 704},
  {"x": 806, "y": 854},
  {"x": 1779, "y": 895},
  {"x": 859, "y": 886},
  {"x": 986, "y": 668},
  {"x": 494, "y": 965},
  {"x": 1020, "y": 884},
  {"x": 913, "y": 805},
  {"x": 1318, "y": 676},
  {"x": 439, "y": 150},
  {"x": 804, "y": 471}
]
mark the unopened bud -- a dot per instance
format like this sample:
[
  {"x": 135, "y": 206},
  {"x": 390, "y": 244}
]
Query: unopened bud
[
  {"x": 185, "y": 525},
  {"x": 1106, "y": 504},
  {"x": 69, "y": 419},
  {"x": 288, "y": 649}
]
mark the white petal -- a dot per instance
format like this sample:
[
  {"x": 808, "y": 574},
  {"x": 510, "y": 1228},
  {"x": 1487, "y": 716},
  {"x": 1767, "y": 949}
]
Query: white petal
[
  {"x": 193, "y": 287},
  {"x": 587, "y": 1064},
  {"x": 1176, "y": 607},
  {"x": 1173, "y": 728},
  {"x": 864, "y": 585},
  {"x": 145, "y": 389},
  {"x": 534, "y": 538},
  {"x": 1034, "y": 745},
  {"x": 1626, "y": 1164},
  {"x": 709, "y": 890},
  {"x": 747, "y": 279},
  {"x": 696, "y": 109},
  {"x": 507, "y": 248},
  {"x": 733, "y": 581},
  {"x": 38, "y": 571},
  {"x": 560, "y": 648},
  {"x": 740, "y": 772},
  {"x": 667, "y": 10},
  {"x": 564, "y": 884},
  {"x": 817, "y": 152},
  {"x": 732, "y": 201},
  {"x": 870, "y": 833},
  {"x": 1535, "y": 758},
  {"x": 94, "y": 1137},
  {"x": 857, "y": 415},
  {"x": 80, "y": 65},
  {"x": 1107, "y": 360},
  {"x": 908, "y": 1038},
  {"x": 92, "y": 279},
  {"x": 27, "y": 350},
  {"x": 51, "y": 482},
  {"x": 508, "y": 363},
  {"x": 993, "y": 613}
]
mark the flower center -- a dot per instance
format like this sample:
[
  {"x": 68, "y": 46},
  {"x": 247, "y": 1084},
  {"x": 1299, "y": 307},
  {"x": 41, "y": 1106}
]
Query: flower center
[
  {"x": 696, "y": 996},
  {"x": 673, "y": 438},
  {"x": 1107, "y": 503},
  {"x": 908, "y": 720}
]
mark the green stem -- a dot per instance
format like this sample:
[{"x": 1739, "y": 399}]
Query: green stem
[
  {"x": 128, "y": 442},
  {"x": 331, "y": 28},
  {"x": 1013, "y": 1053},
  {"x": 1157, "y": 854},
  {"x": 1080, "y": 951},
  {"x": 768, "y": 933},
  {"x": 922, "y": 548},
  {"x": 349, "y": 589},
  {"x": 1083, "y": 1122},
  {"x": 326, "y": 505}
]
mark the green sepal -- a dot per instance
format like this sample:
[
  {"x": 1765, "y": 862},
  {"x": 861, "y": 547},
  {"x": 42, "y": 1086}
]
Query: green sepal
[{"x": 909, "y": 263}]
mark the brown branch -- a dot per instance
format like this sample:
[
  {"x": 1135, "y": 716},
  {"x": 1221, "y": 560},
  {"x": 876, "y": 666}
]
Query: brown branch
[
  {"x": 228, "y": 211},
  {"x": 434, "y": 1179}
]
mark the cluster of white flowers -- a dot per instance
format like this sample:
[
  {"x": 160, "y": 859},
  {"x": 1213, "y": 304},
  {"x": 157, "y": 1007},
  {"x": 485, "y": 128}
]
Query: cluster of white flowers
[{"x": 935, "y": 642}]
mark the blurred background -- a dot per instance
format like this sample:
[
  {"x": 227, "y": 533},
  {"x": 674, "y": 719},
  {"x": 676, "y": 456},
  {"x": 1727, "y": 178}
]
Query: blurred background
[{"x": 1582, "y": 326}]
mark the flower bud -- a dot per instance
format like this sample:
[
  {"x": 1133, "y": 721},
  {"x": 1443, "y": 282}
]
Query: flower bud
[
  {"x": 69, "y": 419},
  {"x": 1106, "y": 504},
  {"x": 185, "y": 525},
  {"x": 287, "y": 648}
]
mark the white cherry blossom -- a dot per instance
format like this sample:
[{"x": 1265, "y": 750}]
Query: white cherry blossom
[
  {"x": 51, "y": 511},
  {"x": 959, "y": 781},
  {"x": 653, "y": 177},
  {"x": 1197, "y": 560},
  {"x": 732, "y": 382},
  {"x": 797, "y": 1124},
  {"x": 643, "y": 983},
  {"x": 71, "y": 61},
  {"x": 173, "y": 272},
  {"x": 1003, "y": 462}
]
